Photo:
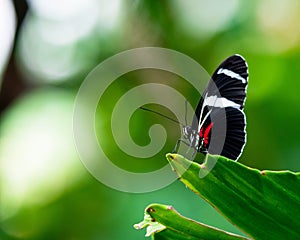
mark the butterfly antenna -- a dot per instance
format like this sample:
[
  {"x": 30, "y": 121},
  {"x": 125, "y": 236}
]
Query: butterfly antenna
[
  {"x": 185, "y": 116},
  {"x": 160, "y": 114}
]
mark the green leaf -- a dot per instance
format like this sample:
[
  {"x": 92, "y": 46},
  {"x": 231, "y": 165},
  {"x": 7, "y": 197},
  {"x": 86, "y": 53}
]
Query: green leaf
[
  {"x": 264, "y": 204},
  {"x": 163, "y": 222}
]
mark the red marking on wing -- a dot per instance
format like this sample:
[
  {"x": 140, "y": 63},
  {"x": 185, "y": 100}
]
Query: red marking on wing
[{"x": 205, "y": 134}]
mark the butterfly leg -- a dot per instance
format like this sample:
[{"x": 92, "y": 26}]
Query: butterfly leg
[
  {"x": 194, "y": 154},
  {"x": 177, "y": 144},
  {"x": 189, "y": 148}
]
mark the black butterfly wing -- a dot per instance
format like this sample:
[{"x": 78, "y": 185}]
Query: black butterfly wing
[
  {"x": 228, "y": 135},
  {"x": 219, "y": 118}
]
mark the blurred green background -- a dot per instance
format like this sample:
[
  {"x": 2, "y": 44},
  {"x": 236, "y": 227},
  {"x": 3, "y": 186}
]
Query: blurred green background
[{"x": 45, "y": 191}]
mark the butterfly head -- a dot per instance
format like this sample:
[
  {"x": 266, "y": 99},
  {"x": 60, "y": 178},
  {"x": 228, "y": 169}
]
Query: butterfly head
[
  {"x": 192, "y": 136},
  {"x": 189, "y": 133}
]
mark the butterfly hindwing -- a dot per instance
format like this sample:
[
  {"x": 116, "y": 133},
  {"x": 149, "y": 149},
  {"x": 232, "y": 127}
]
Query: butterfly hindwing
[{"x": 228, "y": 140}]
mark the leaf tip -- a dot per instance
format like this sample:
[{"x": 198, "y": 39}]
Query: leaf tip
[{"x": 171, "y": 156}]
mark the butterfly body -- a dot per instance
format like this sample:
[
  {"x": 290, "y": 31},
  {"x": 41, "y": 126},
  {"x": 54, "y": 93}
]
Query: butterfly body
[{"x": 197, "y": 140}]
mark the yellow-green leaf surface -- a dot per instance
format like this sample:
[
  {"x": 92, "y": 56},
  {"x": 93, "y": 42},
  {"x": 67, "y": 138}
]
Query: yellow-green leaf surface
[
  {"x": 163, "y": 222},
  {"x": 264, "y": 204}
]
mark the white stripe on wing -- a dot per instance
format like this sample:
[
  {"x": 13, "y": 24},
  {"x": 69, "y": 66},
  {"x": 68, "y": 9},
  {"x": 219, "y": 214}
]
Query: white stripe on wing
[
  {"x": 214, "y": 101},
  {"x": 231, "y": 74}
]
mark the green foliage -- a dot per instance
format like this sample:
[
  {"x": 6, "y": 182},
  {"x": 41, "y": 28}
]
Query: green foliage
[
  {"x": 264, "y": 204},
  {"x": 166, "y": 223},
  {"x": 51, "y": 54}
]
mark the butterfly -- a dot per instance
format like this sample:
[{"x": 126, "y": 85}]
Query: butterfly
[{"x": 219, "y": 122}]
